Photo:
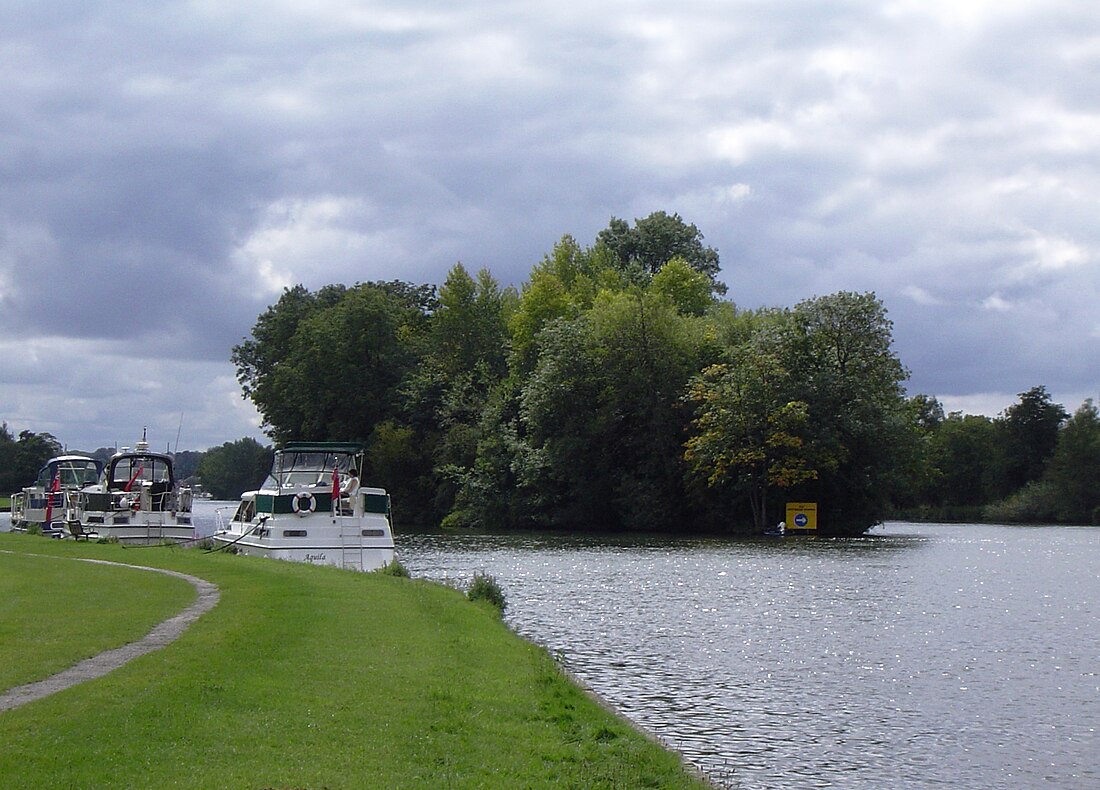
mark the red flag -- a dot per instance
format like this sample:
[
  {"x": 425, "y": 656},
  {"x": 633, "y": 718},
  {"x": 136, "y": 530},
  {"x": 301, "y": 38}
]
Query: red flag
[
  {"x": 137, "y": 474},
  {"x": 55, "y": 486},
  {"x": 335, "y": 484}
]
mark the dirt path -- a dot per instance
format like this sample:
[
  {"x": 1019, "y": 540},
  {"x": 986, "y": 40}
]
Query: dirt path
[{"x": 110, "y": 660}]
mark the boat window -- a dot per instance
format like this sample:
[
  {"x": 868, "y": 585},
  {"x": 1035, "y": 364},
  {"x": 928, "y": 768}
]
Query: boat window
[
  {"x": 297, "y": 469},
  {"x": 376, "y": 503},
  {"x": 135, "y": 470},
  {"x": 73, "y": 473},
  {"x": 246, "y": 511},
  {"x": 76, "y": 474}
]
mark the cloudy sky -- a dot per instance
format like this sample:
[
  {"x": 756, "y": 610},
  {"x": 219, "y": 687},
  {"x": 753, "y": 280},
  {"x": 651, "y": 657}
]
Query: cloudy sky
[{"x": 166, "y": 169}]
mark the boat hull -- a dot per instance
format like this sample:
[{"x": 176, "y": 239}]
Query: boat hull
[
  {"x": 359, "y": 540},
  {"x": 367, "y": 558}
]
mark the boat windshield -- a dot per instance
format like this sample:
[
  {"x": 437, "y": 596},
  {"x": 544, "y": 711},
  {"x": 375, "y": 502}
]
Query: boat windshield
[
  {"x": 133, "y": 470},
  {"x": 73, "y": 473},
  {"x": 294, "y": 469}
]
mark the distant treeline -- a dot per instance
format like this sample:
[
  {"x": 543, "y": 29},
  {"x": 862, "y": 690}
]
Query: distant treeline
[
  {"x": 1035, "y": 463},
  {"x": 621, "y": 389}
]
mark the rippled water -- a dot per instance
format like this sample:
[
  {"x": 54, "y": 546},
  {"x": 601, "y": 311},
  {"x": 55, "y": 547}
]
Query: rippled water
[{"x": 924, "y": 656}]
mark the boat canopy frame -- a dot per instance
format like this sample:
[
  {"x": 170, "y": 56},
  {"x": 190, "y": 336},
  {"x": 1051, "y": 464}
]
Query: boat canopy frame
[{"x": 310, "y": 464}]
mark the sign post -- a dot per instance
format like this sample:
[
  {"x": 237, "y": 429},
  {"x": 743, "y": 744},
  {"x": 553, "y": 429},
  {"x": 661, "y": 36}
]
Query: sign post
[{"x": 802, "y": 516}]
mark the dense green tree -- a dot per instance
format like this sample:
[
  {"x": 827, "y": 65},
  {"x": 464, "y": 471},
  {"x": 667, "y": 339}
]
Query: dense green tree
[
  {"x": 602, "y": 414},
  {"x": 563, "y": 285},
  {"x": 654, "y": 241},
  {"x": 257, "y": 357},
  {"x": 329, "y": 366},
  {"x": 1073, "y": 472},
  {"x": 838, "y": 351},
  {"x": 234, "y": 467},
  {"x": 1029, "y": 434},
  {"x": 962, "y": 453},
  {"x": 186, "y": 463},
  {"x": 749, "y": 435},
  {"x": 687, "y": 289},
  {"x": 21, "y": 459},
  {"x": 400, "y": 459},
  {"x": 9, "y": 482},
  {"x": 469, "y": 326}
]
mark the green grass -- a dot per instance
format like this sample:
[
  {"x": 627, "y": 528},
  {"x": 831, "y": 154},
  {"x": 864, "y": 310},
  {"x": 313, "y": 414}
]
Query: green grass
[
  {"x": 56, "y": 612},
  {"x": 306, "y": 677},
  {"x": 5, "y": 503}
]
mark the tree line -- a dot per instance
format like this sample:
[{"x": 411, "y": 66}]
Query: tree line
[
  {"x": 1034, "y": 463},
  {"x": 620, "y": 388}
]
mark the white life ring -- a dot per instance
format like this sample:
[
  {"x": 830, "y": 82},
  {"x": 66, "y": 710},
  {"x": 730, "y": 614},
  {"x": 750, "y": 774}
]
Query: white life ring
[{"x": 303, "y": 503}]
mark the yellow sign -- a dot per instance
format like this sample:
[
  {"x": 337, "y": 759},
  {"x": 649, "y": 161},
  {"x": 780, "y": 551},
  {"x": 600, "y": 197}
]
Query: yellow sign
[{"x": 801, "y": 515}]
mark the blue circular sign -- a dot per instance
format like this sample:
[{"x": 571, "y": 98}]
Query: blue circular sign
[{"x": 801, "y": 520}]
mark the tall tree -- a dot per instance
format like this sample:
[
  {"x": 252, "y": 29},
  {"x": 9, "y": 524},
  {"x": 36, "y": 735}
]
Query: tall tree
[
  {"x": 1029, "y": 436},
  {"x": 21, "y": 459},
  {"x": 838, "y": 351},
  {"x": 1073, "y": 471},
  {"x": 469, "y": 325},
  {"x": 657, "y": 239},
  {"x": 602, "y": 417},
  {"x": 963, "y": 454},
  {"x": 329, "y": 366},
  {"x": 749, "y": 434}
]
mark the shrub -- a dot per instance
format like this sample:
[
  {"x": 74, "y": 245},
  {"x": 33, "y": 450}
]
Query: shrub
[
  {"x": 394, "y": 568},
  {"x": 34, "y": 529},
  {"x": 1035, "y": 503},
  {"x": 485, "y": 588}
]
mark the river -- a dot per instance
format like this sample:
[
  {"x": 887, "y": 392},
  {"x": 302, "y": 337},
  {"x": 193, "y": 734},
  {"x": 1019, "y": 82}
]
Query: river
[{"x": 920, "y": 656}]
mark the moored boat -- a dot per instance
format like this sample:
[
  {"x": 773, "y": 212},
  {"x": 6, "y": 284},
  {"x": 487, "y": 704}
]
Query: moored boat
[
  {"x": 137, "y": 499},
  {"x": 311, "y": 509},
  {"x": 51, "y": 502}
]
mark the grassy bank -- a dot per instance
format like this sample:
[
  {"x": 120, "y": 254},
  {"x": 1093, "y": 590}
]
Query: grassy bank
[
  {"x": 54, "y": 614},
  {"x": 314, "y": 677}
]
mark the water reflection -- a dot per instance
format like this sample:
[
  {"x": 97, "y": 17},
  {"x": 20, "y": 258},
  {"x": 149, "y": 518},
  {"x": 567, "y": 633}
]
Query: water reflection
[{"x": 919, "y": 656}]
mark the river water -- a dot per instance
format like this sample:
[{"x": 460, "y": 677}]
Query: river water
[{"x": 920, "y": 656}]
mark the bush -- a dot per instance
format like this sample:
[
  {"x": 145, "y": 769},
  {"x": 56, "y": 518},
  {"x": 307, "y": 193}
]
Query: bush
[
  {"x": 1035, "y": 503},
  {"x": 485, "y": 588},
  {"x": 394, "y": 568}
]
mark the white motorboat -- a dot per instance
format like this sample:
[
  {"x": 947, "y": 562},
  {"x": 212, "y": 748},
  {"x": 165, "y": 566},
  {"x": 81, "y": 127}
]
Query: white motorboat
[
  {"x": 305, "y": 511},
  {"x": 49, "y": 503},
  {"x": 137, "y": 500}
]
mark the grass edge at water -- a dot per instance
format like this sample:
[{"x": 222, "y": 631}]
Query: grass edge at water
[{"x": 293, "y": 661}]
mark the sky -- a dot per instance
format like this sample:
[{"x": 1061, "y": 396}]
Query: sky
[{"x": 167, "y": 169}]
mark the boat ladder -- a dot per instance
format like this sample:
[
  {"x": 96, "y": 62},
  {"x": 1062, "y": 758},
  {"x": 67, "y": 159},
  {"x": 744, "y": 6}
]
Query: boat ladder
[{"x": 351, "y": 543}]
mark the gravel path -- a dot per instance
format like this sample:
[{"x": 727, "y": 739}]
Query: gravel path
[{"x": 110, "y": 660}]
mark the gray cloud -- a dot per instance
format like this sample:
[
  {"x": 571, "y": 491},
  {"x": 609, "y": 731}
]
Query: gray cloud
[{"x": 165, "y": 170}]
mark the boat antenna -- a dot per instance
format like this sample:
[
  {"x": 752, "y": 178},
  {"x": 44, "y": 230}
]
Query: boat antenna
[{"x": 180, "y": 428}]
